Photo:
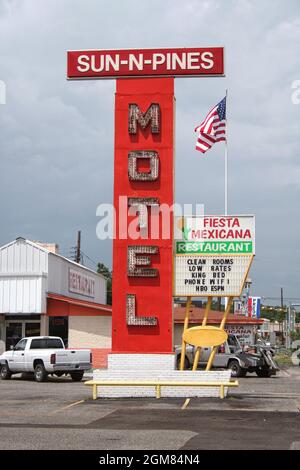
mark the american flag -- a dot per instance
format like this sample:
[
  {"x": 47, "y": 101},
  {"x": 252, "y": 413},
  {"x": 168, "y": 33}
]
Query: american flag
[{"x": 213, "y": 128}]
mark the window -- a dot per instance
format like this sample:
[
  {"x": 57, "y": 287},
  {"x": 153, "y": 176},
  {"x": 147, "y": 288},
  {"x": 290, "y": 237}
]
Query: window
[
  {"x": 38, "y": 344},
  {"x": 21, "y": 345},
  {"x": 46, "y": 343},
  {"x": 54, "y": 343},
  {"x": 32, "y": 329}
]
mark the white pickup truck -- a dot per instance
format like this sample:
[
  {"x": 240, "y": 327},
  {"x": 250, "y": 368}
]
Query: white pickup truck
[{"x": 44, "y": 355}]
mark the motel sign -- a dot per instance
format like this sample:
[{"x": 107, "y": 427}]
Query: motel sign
[
  {"x": 145, "y": 63},
  {"x": 142, "y": 318}
]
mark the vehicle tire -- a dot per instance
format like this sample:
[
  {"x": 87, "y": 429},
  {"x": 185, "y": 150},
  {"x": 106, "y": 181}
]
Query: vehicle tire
[
  {"x": 77, "y": 376},
  {"x": 236, "y": 369},
  {"x": 5, "y": 373},
  {"x": 263, "y": 372},
  {"x": 187, "y": 364},
  {"x": 40, "y": 373}
]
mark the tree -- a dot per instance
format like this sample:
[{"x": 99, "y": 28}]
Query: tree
[
  {"x": 274, "y": 313},
  {"x": 295, "y": 335},
  {"x": 107, "y": 273}
]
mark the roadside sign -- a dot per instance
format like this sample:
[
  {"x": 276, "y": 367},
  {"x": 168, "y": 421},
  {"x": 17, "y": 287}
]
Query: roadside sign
[
  {"x": 211, "y": 234},
  {"x": 213, "y": 255},
  {"x": 254, "y": 307},
  {"x": 162, "y": 62}
]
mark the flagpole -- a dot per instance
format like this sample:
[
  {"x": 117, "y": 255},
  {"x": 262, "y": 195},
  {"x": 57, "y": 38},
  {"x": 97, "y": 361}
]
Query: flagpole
[
  {"x": 226, "y": 178},
  {"x": 226, "y": 165}
]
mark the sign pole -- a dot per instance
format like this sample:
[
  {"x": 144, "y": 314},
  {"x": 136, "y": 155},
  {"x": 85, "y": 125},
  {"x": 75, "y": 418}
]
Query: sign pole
[
  {"x": 204, "y": 323},
  {"x": 198, "y": 350},
  {"x": 222, "y": 326},
  {"x": 185, "y": 327},
  {"x": 226, "y": 176}
]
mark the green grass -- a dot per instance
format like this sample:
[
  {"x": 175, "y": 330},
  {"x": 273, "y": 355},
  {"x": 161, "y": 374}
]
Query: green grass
[{"x": 283, "y": 359}]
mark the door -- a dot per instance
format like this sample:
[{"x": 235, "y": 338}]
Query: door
[
  {"x": 59, "y": 326},
  {"x": 221, "y": 357},
  {"x": 13, "y": 334},
  {"x": 17, "y": 360},
  {"x": 205, "y": 352}
]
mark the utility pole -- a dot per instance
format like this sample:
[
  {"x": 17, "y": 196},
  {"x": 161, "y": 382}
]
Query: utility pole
[
  {"x": 291, "y": 311},
  {"x": 281, "y": 298},
  {"x": 78, "y": 249}
]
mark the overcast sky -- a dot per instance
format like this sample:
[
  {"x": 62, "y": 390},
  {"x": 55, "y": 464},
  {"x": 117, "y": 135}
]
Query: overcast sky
[{"x": 56, "y": 137}]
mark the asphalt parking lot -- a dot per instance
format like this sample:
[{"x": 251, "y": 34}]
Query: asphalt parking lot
[{"x": 59, "y": 414}]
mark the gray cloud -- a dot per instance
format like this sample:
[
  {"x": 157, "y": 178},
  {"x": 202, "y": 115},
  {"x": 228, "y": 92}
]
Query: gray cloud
[{"x": 56, "y": 143}]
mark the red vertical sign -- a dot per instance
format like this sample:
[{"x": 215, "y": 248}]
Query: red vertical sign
[{"x": 143, "y": 178}]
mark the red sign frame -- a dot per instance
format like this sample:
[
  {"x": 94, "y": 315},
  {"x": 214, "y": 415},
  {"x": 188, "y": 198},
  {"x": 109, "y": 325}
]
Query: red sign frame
[
  {"x": 129, "y": 63},
  {"x": 153, "y": 295}
]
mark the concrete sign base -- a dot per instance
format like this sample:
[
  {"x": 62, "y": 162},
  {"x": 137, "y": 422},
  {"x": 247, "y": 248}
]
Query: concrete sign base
[{"x": 155, "y": 367}]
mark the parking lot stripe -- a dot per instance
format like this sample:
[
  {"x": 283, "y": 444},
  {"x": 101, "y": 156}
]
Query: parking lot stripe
[
  {"x": 186, "y": 404},
  {"x": 68, "y": 406}
]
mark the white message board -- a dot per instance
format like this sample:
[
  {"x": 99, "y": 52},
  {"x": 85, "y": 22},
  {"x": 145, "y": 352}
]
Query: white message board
[
  {"x": 210, "y": 275},
  {"x": 213, "y": 255}
]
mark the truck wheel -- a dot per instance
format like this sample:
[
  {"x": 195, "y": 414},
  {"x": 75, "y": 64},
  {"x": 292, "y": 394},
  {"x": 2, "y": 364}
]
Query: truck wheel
[
  {"x": 40, "y": 373},
  {"x": 236, "y": 369},
  {"x": 5, "y": 373},
  {"x": 263, "y": 372},
  {"x": 77, "y": 376}
]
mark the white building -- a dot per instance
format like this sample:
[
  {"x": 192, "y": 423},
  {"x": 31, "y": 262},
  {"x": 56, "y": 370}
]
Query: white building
[{"x": 42, "y": 292}]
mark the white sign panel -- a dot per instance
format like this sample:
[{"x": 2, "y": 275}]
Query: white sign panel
[
  {"x": 213, "y": 254},
  {"x": 210, "y": 275},
  {"x": 81, "y": 284},
  {"x": 215, "y": 235}
]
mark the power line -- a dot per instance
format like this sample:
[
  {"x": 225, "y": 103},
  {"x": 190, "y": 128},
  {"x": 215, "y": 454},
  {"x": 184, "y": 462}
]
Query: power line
[
  {"x": 279, "y": 298},
  {"x": 90, "y": 259}
]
